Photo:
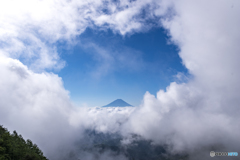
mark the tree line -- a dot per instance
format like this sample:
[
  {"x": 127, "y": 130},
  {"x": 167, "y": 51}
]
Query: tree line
[{"x": 14, "y": 147}]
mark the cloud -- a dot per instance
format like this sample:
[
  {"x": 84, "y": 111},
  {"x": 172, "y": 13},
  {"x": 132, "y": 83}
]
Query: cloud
[
  {"x": 202, "y": 112},
  {"x": 36, "y": 105},
  {"x": 29, "y": 30},
  {"x": 39, "y": 108},
  {"x": 112, "y": 57},
  {"x": 33, "y": 101}
]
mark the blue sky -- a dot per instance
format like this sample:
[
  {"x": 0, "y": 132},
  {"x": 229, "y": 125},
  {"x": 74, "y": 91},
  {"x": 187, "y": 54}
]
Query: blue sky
[{"x": 103, "y": 66}]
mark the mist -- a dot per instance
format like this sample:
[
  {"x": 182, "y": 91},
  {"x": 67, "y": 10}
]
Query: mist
[{"x": 194, "y": 115}]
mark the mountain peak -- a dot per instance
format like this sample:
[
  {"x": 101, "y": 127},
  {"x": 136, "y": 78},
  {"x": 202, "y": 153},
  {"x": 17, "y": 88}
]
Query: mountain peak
[{"x": 118, "y": 103}]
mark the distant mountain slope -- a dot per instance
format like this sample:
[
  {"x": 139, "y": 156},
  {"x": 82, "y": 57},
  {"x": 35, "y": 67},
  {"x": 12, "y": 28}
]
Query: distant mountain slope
[{"x": 118, "y": 103}]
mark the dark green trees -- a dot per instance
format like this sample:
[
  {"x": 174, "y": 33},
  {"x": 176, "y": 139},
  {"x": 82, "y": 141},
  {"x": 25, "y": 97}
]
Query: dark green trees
[{"x": 14, "y": 147}]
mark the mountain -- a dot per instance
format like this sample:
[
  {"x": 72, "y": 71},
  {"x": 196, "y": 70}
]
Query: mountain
[{"x": 118, "y": 103}]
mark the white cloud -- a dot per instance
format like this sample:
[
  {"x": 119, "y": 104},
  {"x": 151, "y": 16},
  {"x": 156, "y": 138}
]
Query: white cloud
[
  {"x": 30, "y": 29},
  {"x": 36, "y": 105},
  {"x": 201, "y": 112}
]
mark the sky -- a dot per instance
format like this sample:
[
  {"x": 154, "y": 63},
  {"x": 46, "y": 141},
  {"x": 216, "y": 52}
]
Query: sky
[
  {"x": 177, "y": 61},
  {"x": 104, "y": 66}
]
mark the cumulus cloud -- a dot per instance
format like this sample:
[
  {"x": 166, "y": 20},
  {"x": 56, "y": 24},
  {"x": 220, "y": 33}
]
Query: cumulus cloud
[
  {"x": 33, "y": 101},
  {"x": 38, "y": 107},
  {"x": 30, "y": 29},
  {"x": 35, "y": 104},
  {"x": 202, "y": 112}
]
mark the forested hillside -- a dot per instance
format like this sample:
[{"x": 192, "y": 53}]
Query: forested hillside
[{"x": 14, "y": 147}]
